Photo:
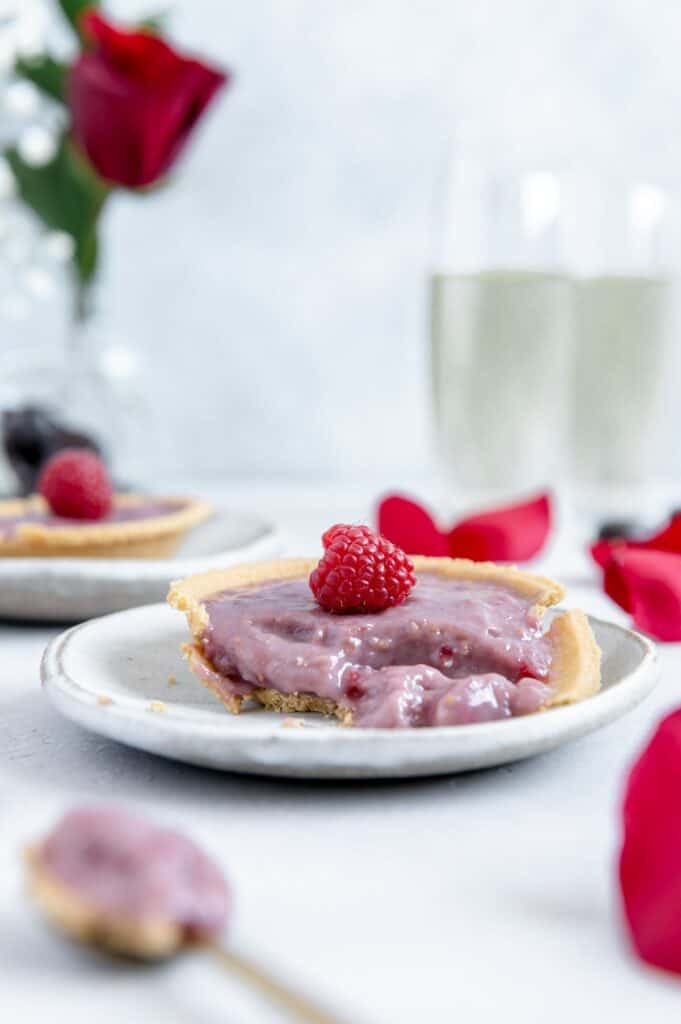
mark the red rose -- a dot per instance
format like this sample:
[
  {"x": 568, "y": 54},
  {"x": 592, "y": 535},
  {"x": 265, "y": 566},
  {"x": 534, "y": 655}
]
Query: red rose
[{"x": 134, "y": 101}]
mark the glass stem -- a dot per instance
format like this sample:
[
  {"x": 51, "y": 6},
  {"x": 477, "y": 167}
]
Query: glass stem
[{"x": 81, "y": 312}]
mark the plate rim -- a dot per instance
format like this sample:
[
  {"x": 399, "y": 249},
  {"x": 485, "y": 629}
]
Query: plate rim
[
  {"x": 143, "y": 569},
  {"x": 67, "y": 694}
]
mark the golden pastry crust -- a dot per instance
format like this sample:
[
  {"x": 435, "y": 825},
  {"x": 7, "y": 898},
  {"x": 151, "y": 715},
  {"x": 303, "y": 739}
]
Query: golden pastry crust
[
  {"x": 274, "y": 700},
  {"x": 155, "y": 537},
  {"x": 188, "y": 595},
  {"x": 575, "y": 671},
  {"x": 117, "y": 933}
]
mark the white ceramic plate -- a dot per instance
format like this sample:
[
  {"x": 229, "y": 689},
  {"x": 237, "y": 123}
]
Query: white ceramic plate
[
  {"x": 71, "y": 589},
  {"x": 106, "y": 673}
]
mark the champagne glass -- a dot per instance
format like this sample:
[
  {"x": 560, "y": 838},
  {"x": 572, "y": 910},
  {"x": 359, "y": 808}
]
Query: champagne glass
[
  {"x": 625, "y": 327},
  {"x": 501, "y": 328}
]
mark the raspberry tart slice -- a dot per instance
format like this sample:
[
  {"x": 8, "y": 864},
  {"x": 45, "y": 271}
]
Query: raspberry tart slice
[
  {"x": 77, "y": 514},
  {"x": 443, "y": 642},
  {"x": 137, "y": 527}
]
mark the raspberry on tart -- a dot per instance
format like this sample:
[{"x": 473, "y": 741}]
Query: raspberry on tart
[
  {"x": 360, "y": 571},
  {"x": 465, "y": 644},
  {"x": 75, "y": 483}
]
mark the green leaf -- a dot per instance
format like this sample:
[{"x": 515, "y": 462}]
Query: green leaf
[
  {"x": 153, "y": 23},
  {"x": 48, "y": 74},
  {"x": 73, "y": 9},
  {"x": 67, "y": 196}
]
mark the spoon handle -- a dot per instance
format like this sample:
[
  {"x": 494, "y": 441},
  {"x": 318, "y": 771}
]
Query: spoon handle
[{"x": 298, "y": 1006}]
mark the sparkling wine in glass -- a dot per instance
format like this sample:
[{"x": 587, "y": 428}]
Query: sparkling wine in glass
[{"x": 501, "y": 317}]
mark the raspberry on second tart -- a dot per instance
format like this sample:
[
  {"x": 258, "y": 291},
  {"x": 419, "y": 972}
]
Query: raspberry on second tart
[
  {"x": 360, "y": 571},
  {"x": 76, "y": 485}
]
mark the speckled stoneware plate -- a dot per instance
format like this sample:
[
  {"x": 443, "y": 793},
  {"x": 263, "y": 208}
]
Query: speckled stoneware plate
[
  {"x": 71, "y": 589},
  {"x": 123, "y": 676}
]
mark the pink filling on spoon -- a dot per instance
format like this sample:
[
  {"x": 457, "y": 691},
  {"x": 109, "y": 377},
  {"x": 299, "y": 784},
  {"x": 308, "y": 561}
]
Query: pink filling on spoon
[{"x": 118, "y": 863}]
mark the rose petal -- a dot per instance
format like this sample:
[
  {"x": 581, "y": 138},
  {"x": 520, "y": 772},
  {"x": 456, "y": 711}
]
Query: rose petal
[
  {"x": 601, "y": 551},
  {"x": 647, "y": 583},
  {"x": 650, "y": 859},
  {"x": 410, "y": 527},
  {"x": 666, "y": 539},
  {"x": 615, "y": 585},
  {"x": 514, "y": 533}
]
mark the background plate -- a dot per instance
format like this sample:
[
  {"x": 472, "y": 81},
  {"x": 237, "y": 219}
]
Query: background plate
[
  {"x": 71, "y": 589},
  {"x": 106, "y": 673}
]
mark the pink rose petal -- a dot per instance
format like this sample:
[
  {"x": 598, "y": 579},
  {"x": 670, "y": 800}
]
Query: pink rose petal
[
  {"x": 650, "y": 859},
  {"x": 647, "y": 583},
  {"x": 512, "y": 533},
  {"x": 410, "y": 527},
  {"x": 666, "y": 539}
]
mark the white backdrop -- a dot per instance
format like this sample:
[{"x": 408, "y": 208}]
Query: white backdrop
[{"x": 277, "y": 288}]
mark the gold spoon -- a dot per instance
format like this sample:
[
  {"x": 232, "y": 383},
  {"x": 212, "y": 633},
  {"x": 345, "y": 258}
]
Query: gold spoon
[{"x": 151, "y": 939}]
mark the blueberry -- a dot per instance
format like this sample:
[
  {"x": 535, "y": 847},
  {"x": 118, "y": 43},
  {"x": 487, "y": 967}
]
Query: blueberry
[
  {"x": 30, "y": 435},
  {"x": 621, "y": 529}
]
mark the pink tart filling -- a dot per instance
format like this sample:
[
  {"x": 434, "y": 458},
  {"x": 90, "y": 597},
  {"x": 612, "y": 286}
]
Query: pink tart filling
[
  {"x": 454, "y": 652},
  {"x": 121, "y": 864},
  {"x": 119, "y": 514}
]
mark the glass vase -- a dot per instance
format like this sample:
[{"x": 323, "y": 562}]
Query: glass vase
[{"x": 81, "y": 386}]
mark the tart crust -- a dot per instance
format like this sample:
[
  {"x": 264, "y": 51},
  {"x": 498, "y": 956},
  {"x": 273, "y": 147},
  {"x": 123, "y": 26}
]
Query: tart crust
[
  {"x": 155, "y": 537},
  {"x": 574, "y": 674},
  {"x": 118, "y": 933}
]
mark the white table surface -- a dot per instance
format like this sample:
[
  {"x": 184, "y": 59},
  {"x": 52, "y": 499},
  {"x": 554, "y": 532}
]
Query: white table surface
[{"x": 476, "y": 898}]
